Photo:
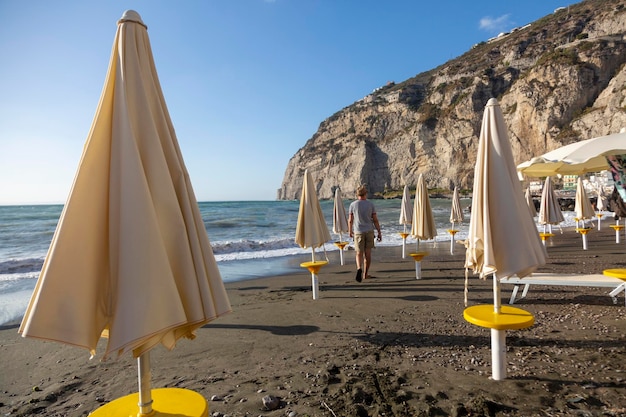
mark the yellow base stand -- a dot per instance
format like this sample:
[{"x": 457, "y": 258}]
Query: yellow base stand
[
  {"x": 617, "y": 228},
  {"x": 509, "y": 318},
  {"x": 167, "y": 402},
  {"x": 418, "y": 256},
  {"x": 452, "y": 233},
  {"x": 340, "y": 245},
  {"x": 313, "y": 267},
  {"x": 583, "y": 232},
  {"x": 545, "y": 237}
]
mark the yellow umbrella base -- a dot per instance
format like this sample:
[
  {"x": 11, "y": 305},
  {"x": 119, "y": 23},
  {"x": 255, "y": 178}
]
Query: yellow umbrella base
[
  {"x": 509, "y": 318},
  {"x": 166, "y": 402}
]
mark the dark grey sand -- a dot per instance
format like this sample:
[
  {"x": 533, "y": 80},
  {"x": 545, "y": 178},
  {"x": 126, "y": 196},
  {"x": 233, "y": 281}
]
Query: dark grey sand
[{"x": 389, "y": 346}]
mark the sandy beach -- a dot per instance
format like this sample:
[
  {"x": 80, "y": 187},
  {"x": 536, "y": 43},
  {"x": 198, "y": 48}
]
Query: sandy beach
[{"x": 389, "y": 346}]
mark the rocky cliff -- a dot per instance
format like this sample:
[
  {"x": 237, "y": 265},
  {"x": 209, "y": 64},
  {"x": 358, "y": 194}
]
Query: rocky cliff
[{"x": 560, "y": 79}]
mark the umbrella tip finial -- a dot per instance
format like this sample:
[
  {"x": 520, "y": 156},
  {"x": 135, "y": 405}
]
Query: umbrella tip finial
[
  {"x": 492, "y": 102},
  {"x": 132, "y": 16}
]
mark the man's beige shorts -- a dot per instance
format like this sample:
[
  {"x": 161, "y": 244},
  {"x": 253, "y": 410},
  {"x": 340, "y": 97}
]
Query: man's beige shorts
[{"x": 364, "y": 241}]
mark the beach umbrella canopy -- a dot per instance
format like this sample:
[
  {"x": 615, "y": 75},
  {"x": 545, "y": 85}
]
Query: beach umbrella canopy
[
  {"x": 311, "y": 229},
  {"x": 549, "y": 208},
  {"x": 340, "y": 220},
  {"x": 130, "y": 259},
  {"x": 406, "y": 209},
  {"x": 456, "y": 212},
  {"x": 503, "y": 238},
  {"x": 576, "y": 158},
  {"x": 582, "y": 204},
  {"x": 423, "y": 225}
]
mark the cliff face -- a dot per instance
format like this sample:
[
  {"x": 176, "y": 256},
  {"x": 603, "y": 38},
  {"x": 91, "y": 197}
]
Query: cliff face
[{"x": 559, "y": 80}]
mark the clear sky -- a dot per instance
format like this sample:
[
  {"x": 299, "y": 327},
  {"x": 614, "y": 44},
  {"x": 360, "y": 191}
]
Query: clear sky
[{"x": 246, "y": 82}]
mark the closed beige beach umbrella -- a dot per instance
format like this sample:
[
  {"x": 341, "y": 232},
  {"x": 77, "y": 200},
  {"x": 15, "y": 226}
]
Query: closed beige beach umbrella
[
  {"x": 456, "y": 216},
  {"x": 530, "y": 202},
  {"x": 340, "y": 221},
  {"x": 311, "y": 229},
  {"x": 406, "y": 216},
  {"x": 503, "y": 239},
  {"x": 423, "y": 225},
  {"x": 549, "y": 209},
  {"x": 456, "y": 212},
  {"x": 583, "y": 209},
  {"x": 582, "y": 205},
  {"x": 130, "y": 259}
]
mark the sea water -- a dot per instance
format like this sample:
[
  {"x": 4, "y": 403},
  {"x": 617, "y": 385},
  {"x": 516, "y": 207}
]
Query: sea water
[{"x": 250, "y": 239}]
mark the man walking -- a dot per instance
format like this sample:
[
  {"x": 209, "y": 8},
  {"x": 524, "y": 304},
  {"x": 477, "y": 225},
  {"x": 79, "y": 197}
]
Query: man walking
[{"x": 361, "y": 223}]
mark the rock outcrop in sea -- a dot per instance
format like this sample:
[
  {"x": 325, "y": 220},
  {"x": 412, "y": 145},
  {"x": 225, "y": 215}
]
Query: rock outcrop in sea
[{"x": 559, "y": 80}]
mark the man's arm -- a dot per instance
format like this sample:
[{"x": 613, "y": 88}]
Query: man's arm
[
  {"x": 350, "y": 222},
  {"x": 377, "y": 225}
]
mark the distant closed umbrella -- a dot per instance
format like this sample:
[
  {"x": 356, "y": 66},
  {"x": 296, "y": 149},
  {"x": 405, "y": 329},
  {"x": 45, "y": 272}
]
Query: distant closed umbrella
[
  {"x": 340, "y": 221},
  {"x": 406, "y": 216},
  {"x": 549, "y": 209},
  {"x": 583, "y": 209},
  {"x": 530, "y": 202},
  {"x": 456, "y": 216},
  {"x": 130, "y": 259},
  {"x": 456, "y": 212},
  {"x": 582, "y": 206},
  {"x": 503, "y": 239},
  {"x": 600, "y": 205},
  {"x": 423, "y": 226},
  {"x": 311, "y": 229}
]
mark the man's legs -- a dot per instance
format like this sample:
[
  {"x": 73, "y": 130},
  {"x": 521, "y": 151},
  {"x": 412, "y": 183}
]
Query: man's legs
[
  {"x": 359, "y": 260},
  {"x": 368, "y": 261}
]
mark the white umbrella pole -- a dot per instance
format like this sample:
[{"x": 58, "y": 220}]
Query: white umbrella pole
[
  {"x": 145, "y": 394},
  {"x": 340, "y": 249},
  {"x": 584, "y": 241},
  {"x": 498, "y": 341},
  {"x": 496, "y": 294},
  {"x": 314, "y": 280},
  {"x": 403, "y": 247},
  {"x": 418, "y": 270},
  {"x": 452, "y": 240},
  {"x": 498, "y": 354}
]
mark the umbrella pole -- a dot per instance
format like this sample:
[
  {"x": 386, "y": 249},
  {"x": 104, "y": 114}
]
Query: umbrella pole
[
  {"x": 145, "y": 395},
  {"x": 452, "y": 240},
  {"x": 498, "y": 341},
  {"x": 496, "y": 294},
  {"x": 314, "y": 281},
  {"x": 340, "y": 249}
]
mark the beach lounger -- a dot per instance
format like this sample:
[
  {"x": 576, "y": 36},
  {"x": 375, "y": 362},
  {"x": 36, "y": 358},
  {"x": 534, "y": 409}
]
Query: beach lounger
[{"x": 595, "y": 280}]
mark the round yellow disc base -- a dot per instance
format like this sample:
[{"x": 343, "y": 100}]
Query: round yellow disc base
[
  {"x": 616, "y": 273},
  {"x": 509, "y": 318},
  {"x": 166, "y": 402},
  {"x": 313, "y": 267},
  {"x": 418, "y": 256}
]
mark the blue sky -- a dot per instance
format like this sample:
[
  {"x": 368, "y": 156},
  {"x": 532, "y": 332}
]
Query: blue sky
[{"x": 246, "y": 82}]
